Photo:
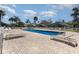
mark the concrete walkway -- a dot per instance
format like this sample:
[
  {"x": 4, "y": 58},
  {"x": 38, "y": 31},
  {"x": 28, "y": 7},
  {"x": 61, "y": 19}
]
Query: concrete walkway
[{"x": 34, "y": 43}]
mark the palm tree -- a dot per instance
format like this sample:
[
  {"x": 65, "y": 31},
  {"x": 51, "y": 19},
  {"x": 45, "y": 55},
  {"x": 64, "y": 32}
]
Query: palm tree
[
  {"x": 28, "y": 21},
  {"x": 2, "y": 13},
  {"x": 35, "y": 19},
  {"x": 75, "y": 15},
  {"x": 14, "y": 19}
]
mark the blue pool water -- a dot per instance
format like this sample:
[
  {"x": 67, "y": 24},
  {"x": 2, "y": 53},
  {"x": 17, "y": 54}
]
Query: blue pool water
[{"x": 44, "y": 32}]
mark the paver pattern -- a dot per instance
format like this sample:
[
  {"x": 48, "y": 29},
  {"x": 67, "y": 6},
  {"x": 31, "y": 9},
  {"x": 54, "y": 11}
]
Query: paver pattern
[{"x": 34, "y": 43}]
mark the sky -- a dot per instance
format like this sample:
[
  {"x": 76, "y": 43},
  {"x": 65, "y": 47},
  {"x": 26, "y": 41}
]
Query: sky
[{"x": 56, "y": 12}]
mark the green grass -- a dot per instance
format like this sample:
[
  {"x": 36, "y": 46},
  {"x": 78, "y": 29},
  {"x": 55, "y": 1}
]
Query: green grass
[{"x": 73, "y": 30}]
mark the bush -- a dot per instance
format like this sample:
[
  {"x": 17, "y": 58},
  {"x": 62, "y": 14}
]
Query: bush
[{"x": 20, "y": 24}]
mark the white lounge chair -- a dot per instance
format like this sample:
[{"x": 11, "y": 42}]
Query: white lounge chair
[
  {"x": 13, "y": 35},
  {"x": 65, "y": 39}
]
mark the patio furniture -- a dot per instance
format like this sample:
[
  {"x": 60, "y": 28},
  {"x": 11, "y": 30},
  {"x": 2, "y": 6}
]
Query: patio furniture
[
  {"x": 13, "y": 35},
  {"x": 65, "y": 39}
]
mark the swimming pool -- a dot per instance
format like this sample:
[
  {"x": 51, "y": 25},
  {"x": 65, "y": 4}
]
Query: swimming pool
[{"x": 44, "y": 32}]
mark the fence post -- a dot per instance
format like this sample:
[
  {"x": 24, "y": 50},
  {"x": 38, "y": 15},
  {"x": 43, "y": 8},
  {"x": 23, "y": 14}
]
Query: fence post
[{"x": 1, "y": 40}]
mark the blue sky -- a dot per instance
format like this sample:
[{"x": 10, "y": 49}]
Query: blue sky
[{"x": 44, "y": 11}]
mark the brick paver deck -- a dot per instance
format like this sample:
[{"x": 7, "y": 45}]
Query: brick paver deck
[{"x": 34, "y": 43}]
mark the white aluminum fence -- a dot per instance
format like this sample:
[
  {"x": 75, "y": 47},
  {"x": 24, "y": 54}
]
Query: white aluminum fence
[{"x": 57, "y": 28}]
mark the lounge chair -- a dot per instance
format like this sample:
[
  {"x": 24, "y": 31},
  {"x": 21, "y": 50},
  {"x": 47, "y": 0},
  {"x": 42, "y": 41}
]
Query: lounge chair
[
  {"x": 13, "y": 35},
  {"x": 65, "y": 39}
]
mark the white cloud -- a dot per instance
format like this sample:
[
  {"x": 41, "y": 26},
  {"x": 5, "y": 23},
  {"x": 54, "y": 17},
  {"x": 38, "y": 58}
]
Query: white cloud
[
  {"x": 14, "y": 5},
  {"x": 6, "y": 17},
  {"x": 30, "y": 13},
  {"x": 48, "y": 13},
  {"x": 61, "y": 6},
  {"x": 7, "y": 8},
  {"x": 67, "y": 5}
]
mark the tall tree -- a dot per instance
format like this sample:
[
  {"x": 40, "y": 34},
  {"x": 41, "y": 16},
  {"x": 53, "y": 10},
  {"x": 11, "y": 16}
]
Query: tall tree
[
  {"x": 35, "y": 19},
  {"x": 14, "y": 19},
  {"x": 28, "y": 21},
  {"x": 75, "y": 15},
  {"x": 2, "y": 13}
]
